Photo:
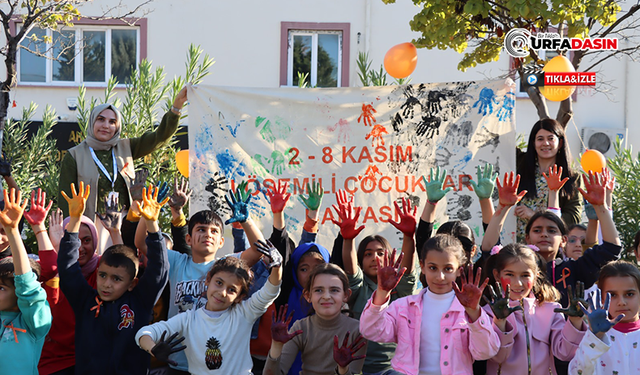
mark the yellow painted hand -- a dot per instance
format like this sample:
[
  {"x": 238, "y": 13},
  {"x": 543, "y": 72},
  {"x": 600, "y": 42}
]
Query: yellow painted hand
[
  {"x": 78, "y": 200},
  {"x": 12, "y": 213},
  {"x": 151, "y": 208}
]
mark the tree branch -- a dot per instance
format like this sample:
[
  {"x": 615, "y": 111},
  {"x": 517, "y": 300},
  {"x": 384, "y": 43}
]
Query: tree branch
[
  {"x": 624, "y": 50},
  {"x": 629, "y": 13}
]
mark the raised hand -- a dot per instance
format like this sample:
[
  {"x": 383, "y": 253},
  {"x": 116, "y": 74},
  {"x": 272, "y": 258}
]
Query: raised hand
[
  {"x": 280, "y": 326},
  {"x": 470, "y": 294},
  {"x": 345, "y": 354},
  {"x": 38, "y": 211},
  {"x": 266, "y": 248},
  {"x": 78, "y": 200},
  {"x": 554, "y": 180},
  {"x": 163, "y": 191},
  {"x": 609, "y": 179},
  {"x": 5, "y": 165},
  {"x": 508, "y": 190},
  {"x": 181, "y": 194},
  {"x": 239, "y": 203},
  {"x": 12, "y": 213},
  {"x": 348, "y": 220},
  {"x": 313, "y": 200},
  {"x": 486, "y": 182},
  {"x": 56, "y": 231},
  {"x": 151, "y": 208},
  {"x": 408, "y": 220},
  {"x": 434, "y": 185},
  {"x": 112, "y": 218},
  {"x": 500, "y": 303},
  {"x": 138, "y": 184},
  {"x": 343, "y": 199},
  {"x": 595, "y": 189},
  {"x": 389, "y": 271},
  {"x": 576, "y": 299},
  {"x": 598, "y": 318},
  {"x": 163, "y": 349},
  {"x": 278, "y": 196}
]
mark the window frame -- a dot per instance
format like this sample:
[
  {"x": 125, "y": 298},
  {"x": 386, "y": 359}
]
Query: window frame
[
  {"x": 137, "y": 24},
  {"x": 314, "y": 28}
]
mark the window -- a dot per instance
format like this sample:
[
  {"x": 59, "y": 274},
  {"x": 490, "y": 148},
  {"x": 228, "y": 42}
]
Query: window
[
  {"x": 85, "y": 54},
  {"x": 317, "y": 50}
]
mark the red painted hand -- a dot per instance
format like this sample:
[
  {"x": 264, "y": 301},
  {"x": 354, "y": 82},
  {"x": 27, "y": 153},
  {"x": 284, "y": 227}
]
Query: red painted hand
[
  {"x": 470, "y": 294},
  {"x": 348, "y": 220},
  {"x": 343, "y": 199},
  {"x": 555, "y": 181},
  {"x": 278, "y": 196},
  {"x": 508, "y": 190},
  {"x": 344, "y": 355},
  {"x": 280, "y": 326},
  {"x": 408, "y": 221},
  {"x": 38, "y": 212},
  {"x": 609, "y": 179},
  {"x": 389, "y": 271},
  {"x": 595, "y": 189}
]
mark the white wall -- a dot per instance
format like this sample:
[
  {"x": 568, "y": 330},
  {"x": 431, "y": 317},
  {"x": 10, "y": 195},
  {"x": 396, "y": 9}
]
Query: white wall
[{"x": 244, "y": 38}]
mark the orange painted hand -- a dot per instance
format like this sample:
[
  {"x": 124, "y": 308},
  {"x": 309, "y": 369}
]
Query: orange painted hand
[
  {"x": 508, "y": 190},
  {"x": 151, "y": 208},
  {"x": 12, "y": 213},
  {"x": 554, "y": 179},
  {"x": 595, "y": 189},
  {"x": 78, "y": 200}
]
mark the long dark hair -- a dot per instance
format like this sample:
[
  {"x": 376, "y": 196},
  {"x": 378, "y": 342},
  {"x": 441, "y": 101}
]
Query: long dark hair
[{"x": 526, "y": 166}]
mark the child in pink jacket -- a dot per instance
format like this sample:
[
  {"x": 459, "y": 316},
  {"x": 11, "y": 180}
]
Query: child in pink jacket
[{"x": 442, "y": 329}]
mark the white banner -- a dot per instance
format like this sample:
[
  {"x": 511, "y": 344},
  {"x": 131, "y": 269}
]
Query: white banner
[{"x": 375, "y": 142}]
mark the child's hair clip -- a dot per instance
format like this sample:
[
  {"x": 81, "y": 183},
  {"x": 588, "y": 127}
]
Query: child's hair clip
[
  {"x": 534, "y": 248},
  {"x": 496, "y": 249}
]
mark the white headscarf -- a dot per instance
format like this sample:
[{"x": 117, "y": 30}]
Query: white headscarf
[{"x": 91, "y": 140}]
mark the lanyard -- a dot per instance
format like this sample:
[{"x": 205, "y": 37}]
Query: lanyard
[{"x": 103, "y": 169}]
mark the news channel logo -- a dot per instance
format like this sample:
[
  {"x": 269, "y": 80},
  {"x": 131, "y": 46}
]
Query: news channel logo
[{"x": 532, "y": 76}]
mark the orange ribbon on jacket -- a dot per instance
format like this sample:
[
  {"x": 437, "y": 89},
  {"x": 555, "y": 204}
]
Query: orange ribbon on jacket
[
  {"x": 14, "y": 329},
  {"x": 564, "y": 277},
  {"x": 97, "y": 307}
]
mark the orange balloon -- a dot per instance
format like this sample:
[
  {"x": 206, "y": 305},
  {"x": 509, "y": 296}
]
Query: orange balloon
[
  {"x": 593, "y": 160},
  {"x": 182, "y": 161},
  {"x": 559, "y": 64},
  {"x": 401, "y": 60}
]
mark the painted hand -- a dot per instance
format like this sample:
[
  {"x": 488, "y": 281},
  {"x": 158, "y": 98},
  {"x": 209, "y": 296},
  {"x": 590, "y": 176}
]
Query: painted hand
[
  {"x": 554, "y": 180},
  {"x": 181, "y": 194},
  {"x": 500, "y": 303},
  {"x": 348, "y": 220},
  {"x": 314, "y": 198},
  {"x": 389, "y": 271},
  {"x": 5, "y": 165},
  {"x": 163, "y": 349},
  {"x": 434, "y": 185},
  {"x": 598, "y": 318},
  {"x": 280, "y": 326},
  {"x": 595, "y": 189},
  {"x": 38, "y": 211},
  {"x": 344, "y": 355},
  {"x": 576, "y": 299},
  {"x": 508, "y": 190},
  {"x": 343, "y": 199},
  {"x": 239, "y": 204},
  {"x": 408, "y": 221},
  {"x": 278, "y": 196},
  {"x": 12, "y": 213},
  {"x": 470, "y": 294},
  {"x": 77, "y": 201},
  {"x": 112, "y": 218},
  {"x": 609, "y": 179},
  {"x": 267, "y": 249},
  {"x": 486, "y": 182},
  {"x": 151, "y": 208},
  {"x": 163, "y": 191},
  {"x": 139, "y": 183}
]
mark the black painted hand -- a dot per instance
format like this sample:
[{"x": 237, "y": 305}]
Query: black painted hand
[
  {"x": 500, "y": 303},
  {"x": 575, "y": 299},
  {"x": 163, "y": 349}
]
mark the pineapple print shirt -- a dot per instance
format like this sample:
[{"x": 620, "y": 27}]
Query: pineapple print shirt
[{"x": 616, "y": 354}]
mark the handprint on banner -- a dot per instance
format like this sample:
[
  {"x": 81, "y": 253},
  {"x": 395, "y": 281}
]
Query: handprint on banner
[
  {"x": 429, "y": 126},
  {"x": 367, "y": 115},
  {"x": 371, "y": 172},
  {"x": 343, "y": 130},
  {"x": 272, "y": 130},
  {"x": 459, "y": 209},
  {"x": 229, "y": 165},
  {"x": 443, "y": 156},
  {"x": 376, "y": 135},
  {"x": 434, "y": 99},
  {"x": 508, "y": 104},
  {"x": 278, "y": 162},
  {"x": 261, "y": 165},
  {"x": 485, "y": 137},
  {"x": 274, "y": 164},
  {"x": 485, "y": 102},
  {"x": 408, "y": 107},
  {"x": 232, "y": 129},
  {"x": 459, "y": 134},
  {"x": 218, "y": 184}
]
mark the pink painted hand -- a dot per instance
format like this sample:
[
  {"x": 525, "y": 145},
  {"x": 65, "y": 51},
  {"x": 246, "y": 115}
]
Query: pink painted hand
[
  {"x": 595, "y": 189},
  {"x": 408, "y": 220},
  {"x": 470, "y": 294},
  {"x": 278, "y": 196},
  {"x": 389, "y": 271},
  {"x": 344, "y": 355},
  {"x": 280, "y": 326},
  {"x": 554, "y": 180},
  {"x": 508, "y": 190},
  {"x": 38, "y": 211}
]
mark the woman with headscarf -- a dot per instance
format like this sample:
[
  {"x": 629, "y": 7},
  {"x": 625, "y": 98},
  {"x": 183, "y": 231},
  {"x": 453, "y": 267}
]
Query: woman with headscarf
[{"x": 105, "y": 161}]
